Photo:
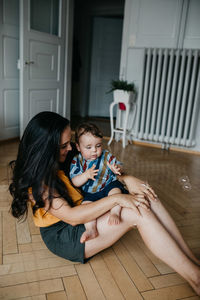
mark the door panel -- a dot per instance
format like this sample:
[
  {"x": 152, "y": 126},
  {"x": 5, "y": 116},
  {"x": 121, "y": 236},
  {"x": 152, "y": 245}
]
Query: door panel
[
  {"x": 10, "y": 9},
  {"x": 48, "y": 22},
  {"x": 45, "y": 61},
  {"x": 11, "y": 111},
  {"x": 10, "y": 57},
  {"x": 43, "y": 100},
  {"x": 9, "y": 74}
]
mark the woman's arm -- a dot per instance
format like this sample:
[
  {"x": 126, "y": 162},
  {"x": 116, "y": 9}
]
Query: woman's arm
[
  {"x": 84, "y": 213},
  {"x": 137, "y": 186}
]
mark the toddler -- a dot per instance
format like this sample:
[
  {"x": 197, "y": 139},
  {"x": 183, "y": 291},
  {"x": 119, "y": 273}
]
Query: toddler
[{"x": 95, "y": 170}]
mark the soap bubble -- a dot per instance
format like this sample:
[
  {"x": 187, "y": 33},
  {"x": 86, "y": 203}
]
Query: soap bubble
[
  {"x": 184, "y": 179},
  {"x": 185, "y": 183},
  {"x": 187, "y": 186}
]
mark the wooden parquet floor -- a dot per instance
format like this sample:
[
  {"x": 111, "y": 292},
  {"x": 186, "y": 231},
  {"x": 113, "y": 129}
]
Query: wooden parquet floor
[{"x": 128, "y": 270}]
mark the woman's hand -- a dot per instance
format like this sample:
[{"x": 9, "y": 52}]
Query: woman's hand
[
  {"x": 136, "y": 186},
  {"x": 133, "y": 201}
]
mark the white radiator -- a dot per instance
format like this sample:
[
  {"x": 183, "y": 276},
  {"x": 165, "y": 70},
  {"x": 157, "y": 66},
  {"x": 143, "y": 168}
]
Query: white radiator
[{"x": 169, "y": 96}]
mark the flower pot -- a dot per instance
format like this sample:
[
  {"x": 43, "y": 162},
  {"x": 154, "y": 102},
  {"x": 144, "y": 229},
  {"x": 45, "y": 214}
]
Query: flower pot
[{"x": 123, "y": 97}]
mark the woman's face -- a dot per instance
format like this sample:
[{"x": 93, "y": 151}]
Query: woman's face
[{"x": 65, "y": 145}]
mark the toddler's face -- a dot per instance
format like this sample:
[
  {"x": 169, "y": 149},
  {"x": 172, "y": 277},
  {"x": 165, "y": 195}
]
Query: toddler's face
[{"x": 90, "y": 146}]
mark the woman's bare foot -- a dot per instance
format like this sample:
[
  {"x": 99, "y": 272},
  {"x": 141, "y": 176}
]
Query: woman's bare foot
[
  {"x": 114, "y": 219},
  {"x": 89, "y": 234}
]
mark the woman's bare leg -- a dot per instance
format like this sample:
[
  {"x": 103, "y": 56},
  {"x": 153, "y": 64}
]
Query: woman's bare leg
[
  {"x": 108, "y": 235},
  {"x": 155, "y": 236},
  {"x": 169, "y": 224},
  {"x": 163, "y": 245}
]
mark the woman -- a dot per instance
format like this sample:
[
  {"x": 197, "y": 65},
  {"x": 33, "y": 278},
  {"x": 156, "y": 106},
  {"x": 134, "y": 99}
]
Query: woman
[{"x": 45, "y": 152}]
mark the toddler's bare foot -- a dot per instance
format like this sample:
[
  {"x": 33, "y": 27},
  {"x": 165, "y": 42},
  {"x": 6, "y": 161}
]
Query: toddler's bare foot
[
  {"x": 114, "y": 219},
  {"x": 89, "y": 234}
]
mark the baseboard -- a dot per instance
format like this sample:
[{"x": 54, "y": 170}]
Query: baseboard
[{"x": 146, "y": 144}]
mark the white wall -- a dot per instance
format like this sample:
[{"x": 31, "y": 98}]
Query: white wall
[{"x": 159, "y": 24}]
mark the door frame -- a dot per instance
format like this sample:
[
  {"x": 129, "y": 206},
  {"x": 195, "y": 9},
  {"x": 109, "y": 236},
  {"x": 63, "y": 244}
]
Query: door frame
[{"x": 68, "y": 58}]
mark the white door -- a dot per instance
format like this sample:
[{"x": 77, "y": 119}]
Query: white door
[
  {"x": 9, "y": 74},
  {"x": 42, "y": 57},
  {"x": 105, "y": 62}
]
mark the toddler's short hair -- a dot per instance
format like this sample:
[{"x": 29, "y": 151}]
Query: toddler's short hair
[{"x": 84, "y": 128}]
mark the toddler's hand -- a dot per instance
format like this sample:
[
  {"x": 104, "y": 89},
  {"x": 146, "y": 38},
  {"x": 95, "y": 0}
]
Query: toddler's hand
[
  {"x": 91, "y": 173},
  {"x": 116, "y": 169}
]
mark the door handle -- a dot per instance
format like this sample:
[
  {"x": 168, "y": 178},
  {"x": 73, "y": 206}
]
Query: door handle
[{"x": 29, "y": 63}]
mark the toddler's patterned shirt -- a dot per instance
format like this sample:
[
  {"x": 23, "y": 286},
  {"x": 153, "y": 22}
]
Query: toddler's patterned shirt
[{"x": 105, "y": 176}]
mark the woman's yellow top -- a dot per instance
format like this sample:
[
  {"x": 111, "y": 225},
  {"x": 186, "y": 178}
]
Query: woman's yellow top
[{"x": 42, "y": 218}]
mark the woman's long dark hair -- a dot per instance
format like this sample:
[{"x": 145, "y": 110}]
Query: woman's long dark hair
[{"x": 37, "y": 163}]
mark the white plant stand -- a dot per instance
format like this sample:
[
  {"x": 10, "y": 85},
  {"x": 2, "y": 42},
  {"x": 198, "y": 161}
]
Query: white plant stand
[{"x": 127, "y": 98}]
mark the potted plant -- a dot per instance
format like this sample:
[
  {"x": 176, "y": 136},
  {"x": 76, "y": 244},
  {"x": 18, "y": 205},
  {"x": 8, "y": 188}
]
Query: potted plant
[{"x": 123, "y": 92}]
